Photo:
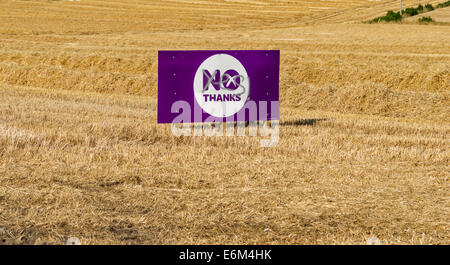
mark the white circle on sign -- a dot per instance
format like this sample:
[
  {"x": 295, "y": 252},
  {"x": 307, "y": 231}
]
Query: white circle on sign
[
  {"x": 221, "y": 85},
  {"x": 373, "y": 240},
  {"x": 73, "y": 241}
]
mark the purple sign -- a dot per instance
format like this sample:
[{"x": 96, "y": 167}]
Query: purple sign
[{"x": 218, "y": 86}]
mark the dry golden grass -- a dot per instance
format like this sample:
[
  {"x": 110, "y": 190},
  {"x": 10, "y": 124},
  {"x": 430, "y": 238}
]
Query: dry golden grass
[{"x": 364, "y": 138}]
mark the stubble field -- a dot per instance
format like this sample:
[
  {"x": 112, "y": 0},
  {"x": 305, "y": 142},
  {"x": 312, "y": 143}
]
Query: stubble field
[{"x": 364, "y": 132}]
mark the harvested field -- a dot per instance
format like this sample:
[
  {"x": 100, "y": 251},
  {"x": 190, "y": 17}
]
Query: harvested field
[{"x": 364, "y": 137}]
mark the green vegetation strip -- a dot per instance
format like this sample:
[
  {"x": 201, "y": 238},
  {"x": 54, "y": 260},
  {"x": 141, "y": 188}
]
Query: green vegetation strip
[
  {"x": 425, "y": 19},
  {"x": 392, "y": 16}
]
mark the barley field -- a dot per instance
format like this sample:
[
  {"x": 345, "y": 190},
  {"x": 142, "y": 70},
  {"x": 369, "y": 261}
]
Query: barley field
[{"x": 364, "y": 145}]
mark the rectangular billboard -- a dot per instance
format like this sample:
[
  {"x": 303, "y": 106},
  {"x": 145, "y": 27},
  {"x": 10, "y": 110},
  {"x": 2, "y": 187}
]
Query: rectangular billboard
[{"x": 226, "y": 85}]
